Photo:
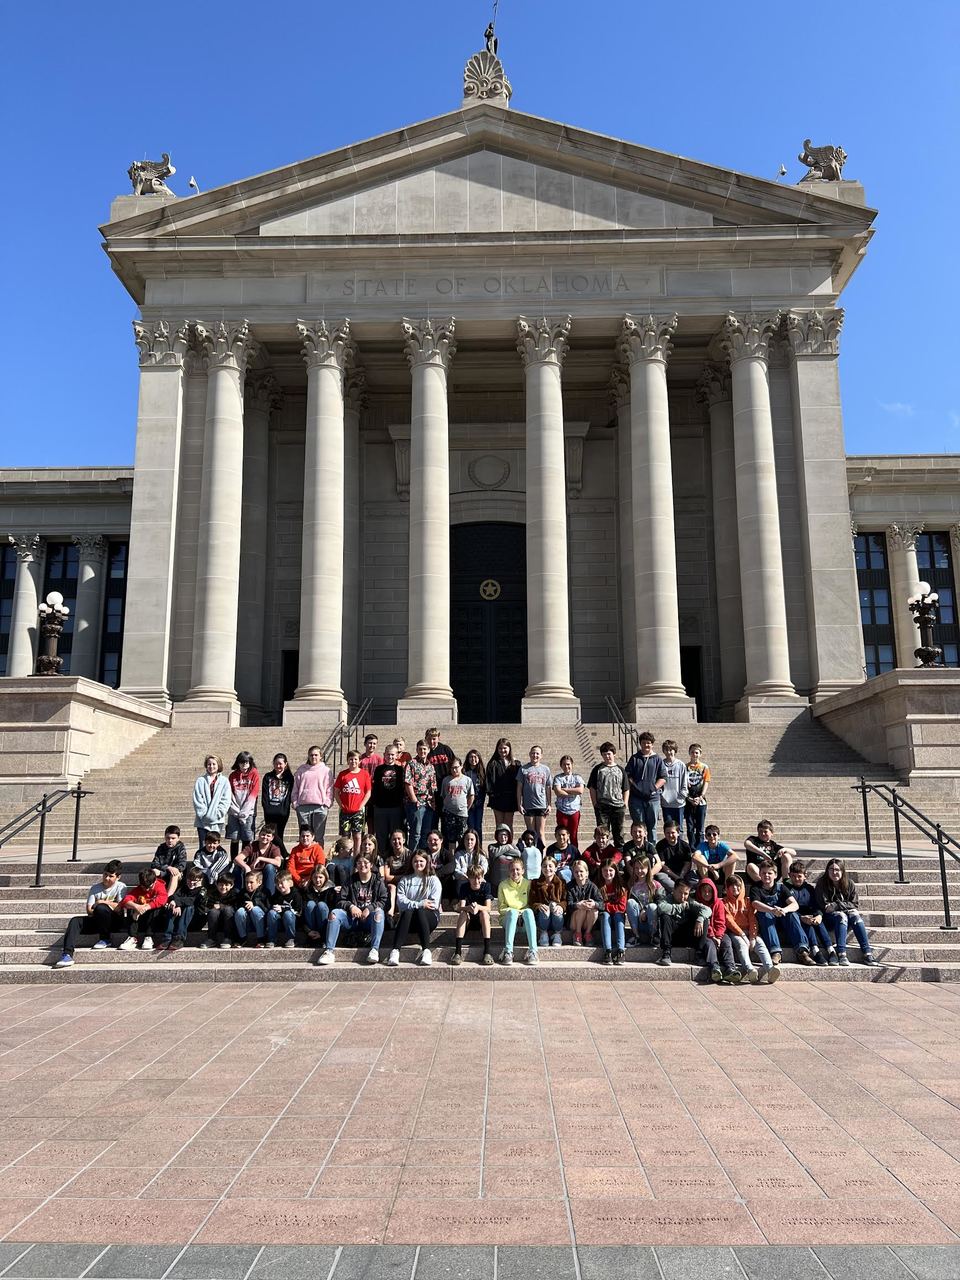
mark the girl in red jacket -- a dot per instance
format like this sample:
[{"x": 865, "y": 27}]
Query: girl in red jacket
[
  {"x": 716, "y": 949},
  {"x": 614, "y": 913}
]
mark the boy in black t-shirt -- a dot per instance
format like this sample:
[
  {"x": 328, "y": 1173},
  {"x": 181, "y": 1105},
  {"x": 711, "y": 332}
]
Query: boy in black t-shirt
[
  {"x": 476, "y": 900},
  {"x": 674, "y": 856},
  {"x": 776, "y": 908},
  {"x": 763, "y": 845},
  {"x": 441, "y": 757}
]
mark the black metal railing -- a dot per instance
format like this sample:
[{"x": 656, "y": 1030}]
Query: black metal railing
[
  {"x": 903, "y": 810},
  {"x": 345, "y": 737},
  {"x": 38, "y": 813},
  {"x": 627, "y": 734}
]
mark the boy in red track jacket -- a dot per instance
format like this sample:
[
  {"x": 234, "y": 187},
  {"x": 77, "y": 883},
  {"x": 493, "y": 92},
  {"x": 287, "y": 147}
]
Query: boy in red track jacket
[
  {"x": 141, "y": 907},
  {"x": 716, "y": 949}
]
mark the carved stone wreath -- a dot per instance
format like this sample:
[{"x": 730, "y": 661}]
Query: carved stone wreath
[{"x": 488, "y": 471}]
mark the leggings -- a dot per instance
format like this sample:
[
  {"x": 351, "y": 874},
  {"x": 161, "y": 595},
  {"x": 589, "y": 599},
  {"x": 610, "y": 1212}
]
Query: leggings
[
  {"x": 423, "y": 920},
  {"x": 509, "y": 919}
]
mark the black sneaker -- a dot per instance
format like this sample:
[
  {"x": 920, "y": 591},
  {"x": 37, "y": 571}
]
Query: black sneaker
[
  {"x": 608, "y": 957},
  {"x": 618, "y": 957}
]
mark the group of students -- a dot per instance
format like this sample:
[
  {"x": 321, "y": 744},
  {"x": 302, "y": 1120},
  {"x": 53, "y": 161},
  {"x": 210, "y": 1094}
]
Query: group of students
[{"x": 397, "y": 865}]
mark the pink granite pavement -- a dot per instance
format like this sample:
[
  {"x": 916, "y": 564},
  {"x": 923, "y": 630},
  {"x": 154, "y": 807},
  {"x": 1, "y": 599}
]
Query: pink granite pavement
[{"x": 529, "y": 1113}]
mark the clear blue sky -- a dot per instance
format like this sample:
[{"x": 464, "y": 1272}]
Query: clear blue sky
[{"x": 231, "y": 91}]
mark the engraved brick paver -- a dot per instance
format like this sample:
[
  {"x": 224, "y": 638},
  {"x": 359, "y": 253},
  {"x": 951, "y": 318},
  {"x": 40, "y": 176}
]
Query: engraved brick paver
[{"x": 614, "y": 1116}]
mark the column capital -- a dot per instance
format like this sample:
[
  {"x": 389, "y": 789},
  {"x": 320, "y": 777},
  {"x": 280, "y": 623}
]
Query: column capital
[
  {"x": 905, "y": 533},
  {"x": 646, "y": 338},
  {"x": 618, "y": 389},
  {"x": 955, "y": 541},
  {"x": 427, "y": 343},
  {"x": 543, "y": 341},
  {"x": 227, "y": 346},
  {"x": 854, "y": 528},
  {"x": 748, "y": 336},
  {"x": 332, "y": 348},
  {"x": 92, "y": 546},
  {"x": 26, "y": 545},
  {"x": 814, "y": 333},
  {"x": 713, "y": 386},
  {"x": 263, "y": 391},
  {"x": 355, "y": 389},
  {"x": 159, "y": 345}
]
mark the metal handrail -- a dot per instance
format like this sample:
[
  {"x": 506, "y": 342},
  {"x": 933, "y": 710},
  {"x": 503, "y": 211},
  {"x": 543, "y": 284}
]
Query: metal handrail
[
  {"x": 345, "y": 736},
  {"x": 627, "y": 735},
  {"x": 38, "y": 812},
  {"x": 932, "y": 831}
]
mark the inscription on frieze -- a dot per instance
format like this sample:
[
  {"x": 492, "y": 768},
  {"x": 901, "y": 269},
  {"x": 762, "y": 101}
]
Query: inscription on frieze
[{"x": 487, "y": 284}]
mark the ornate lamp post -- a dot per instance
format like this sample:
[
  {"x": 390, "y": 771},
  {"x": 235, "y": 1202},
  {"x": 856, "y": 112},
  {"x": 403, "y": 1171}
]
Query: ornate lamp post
[
  {"x": 53, "y": 616},
  {"x": 924, "y": 606}
]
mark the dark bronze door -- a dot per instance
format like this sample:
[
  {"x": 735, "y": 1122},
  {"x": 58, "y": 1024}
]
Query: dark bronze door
[{"x": 488, "y": 628}]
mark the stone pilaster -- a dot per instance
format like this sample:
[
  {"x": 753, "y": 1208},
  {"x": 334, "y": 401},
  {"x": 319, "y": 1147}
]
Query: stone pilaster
[
  {"x": 88, "y": 611},
  {"x": 22, "y": 648},
  {"x": 148, "y": 611},
  {"x": 715, "y": 392},
  {"x": 212, "y": 697},
  {"x": 429, "y": 347},
  {"x": 261, "y": 398},
  {"x": 619, "y": 394},
  {"x": 645, "y": 345},
  {"x": 904, "y": 576},
  {"x": 327, "y": 353},
  {"x": 549, "y": 695},
  {"x": 354, "y": 403},
  {"x": 769, "y": 693},
  {"x": 833, "y": 615}
]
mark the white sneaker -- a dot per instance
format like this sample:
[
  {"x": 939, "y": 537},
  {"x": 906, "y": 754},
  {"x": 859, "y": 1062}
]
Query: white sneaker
[
  {"x": 128, "y": 944},
  {"x": 373, "y": 956},
  {"x": 425, "y": 957},
  {"x": 532, "y": 957},
  {"x": 506, "y": 957},
  {"x": 393, "y": 959},
  {"x": 64, "y": 962},
  {"x": 101, "y": 944},
  {"x": 752, "y": 976},
  {"x": 146, "y": 944},
  {"x": 326, "y": 957}
]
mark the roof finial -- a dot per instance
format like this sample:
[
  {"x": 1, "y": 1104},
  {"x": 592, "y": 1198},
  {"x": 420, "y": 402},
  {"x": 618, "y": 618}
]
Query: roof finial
[{"x": 484, "y": 80}]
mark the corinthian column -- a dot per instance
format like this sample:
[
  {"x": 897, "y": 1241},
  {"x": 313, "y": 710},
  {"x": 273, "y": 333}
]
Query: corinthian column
[
  {"x": 904, "y": 576},
  {"x": 620, "y": 407},
  {"x": 212, "y": 697},
  {"x": 833, "y": 614},
  {"x": 714, "y": 391},
  {"x": 89, "y": 606},
  {"x": 319, "y": 695},
  {"x": 145, "y": 668},
  {"x": 262, "y": 396},
  {"x": 22, "y": 651},
  {"x": 354, "y": 402},
  {"x": 645, "y": 347},
  {"x": 769, "y": 692},
  {"x": 549, "y": 694},
  {"x": 429, "y": 349}
]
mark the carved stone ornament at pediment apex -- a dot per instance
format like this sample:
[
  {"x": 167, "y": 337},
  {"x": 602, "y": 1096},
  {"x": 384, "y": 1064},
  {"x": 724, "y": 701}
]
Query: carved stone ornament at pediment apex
[
  {"x": 484, "y": 79},
  {"x": 814, "y": 333},
  {"x": 543, "y": 341}
]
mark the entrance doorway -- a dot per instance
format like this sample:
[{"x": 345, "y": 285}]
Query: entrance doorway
[{"x": 488, "y": 621}]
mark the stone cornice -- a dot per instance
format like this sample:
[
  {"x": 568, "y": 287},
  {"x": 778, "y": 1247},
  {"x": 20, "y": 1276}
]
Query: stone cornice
[
  {"x": 326, "y": 348},
  {"x": 426, "y": 342},
  {"x": 814, "y": 333},
  {"x": 543, "y": 341},
  {"x": 646, "y": 337},
  {"x": 746, "y": 337}
]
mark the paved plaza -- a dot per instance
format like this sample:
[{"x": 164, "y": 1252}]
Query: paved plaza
[{"x": 208, "y": 1130}]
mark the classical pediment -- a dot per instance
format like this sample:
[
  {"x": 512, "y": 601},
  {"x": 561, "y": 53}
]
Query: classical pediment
[{"x": 486, "y": 170}]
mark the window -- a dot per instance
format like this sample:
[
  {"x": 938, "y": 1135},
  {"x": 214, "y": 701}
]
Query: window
[
  {"x": 114, "y": 600},
  {"x": 935, "y": 562},
  {"x": 8, "y": 575},
  {"x": 873, "y": 583},
  {"x": 60, "y": 574}
]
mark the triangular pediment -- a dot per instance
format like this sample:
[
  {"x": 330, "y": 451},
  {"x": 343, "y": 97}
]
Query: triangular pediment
[{"x": 488, "y": 170}]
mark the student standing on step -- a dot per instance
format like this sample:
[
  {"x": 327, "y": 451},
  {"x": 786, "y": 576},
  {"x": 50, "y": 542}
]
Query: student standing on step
[
  {"x": 370, "y": 762},
  {"x": 456, "y": 797},
  {"x": 244, "y": 793},
  {"x": 170, "y": 859},
  {"x": 441, "y": 757},
  {"x": 837, "y": 896},
  {"x": 647, "y": 776},
  {"x": 673, "y": 798},
  {"x": 211, "y": 799},
  {"x": 609, "y": 792},
  {"x": 418, "y": 907},
  {"x": 568, "y": 788},
  {"x": 420, "y": 790},
  {"x": 312, "y": 793},
  {"x": 103, "y": 903},
  {"x": 698, "y": 783},
  {"x": 502, "y": 772},
  {"x": 276, "y": 797},
  {"x": 352, "y": 793},
  {"x": 534, "y": 783},
  {"x": 386, "y": 796},
  {"x": 473, "y": 768}
]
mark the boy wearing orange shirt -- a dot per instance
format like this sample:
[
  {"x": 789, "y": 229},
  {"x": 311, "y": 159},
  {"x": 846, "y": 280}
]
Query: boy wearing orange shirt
[{"x": 305, "y": 856}]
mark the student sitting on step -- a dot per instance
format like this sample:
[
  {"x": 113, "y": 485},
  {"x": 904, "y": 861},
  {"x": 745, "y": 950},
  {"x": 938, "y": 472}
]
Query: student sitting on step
[
  {"x": 103, "y": 904},
  {"x": 501, "y": 854},
  {"x": 742, "y": 932},
  {"x": 286, "y": 907},
  {"x": 776, "y": 909},
  {"x": 763, "y": 845},
  {"x": 642, "y": 894},
  {"x": 320, "y": 896},
  {"x": 548, "y": 898},
  {"x": 474, "y": 907},
  {"x": 713, "y": 857},
  {"x": 531, "y": 851},
  {"x": 602, "y": 850},
  {"x": 361, "y": 909},
  {"x": 811, "y": 916},
  {"x": 638, "y": 846},
  {"x": 564, "y": 852},
  {"x": 614, "y": 914},
  {"x": 682, "y": 920},
  {"x": 142, "y": 908},
  {"x": 837, "y": 895},
  {"x": 212, "y": 859},
  {"x": 263, "y": 855},
  {"x": 306, "y": 855},
  {"x": 513, "y": 901},
  {"x": 188, "y": 906},
  {"x": 253, "y": 905},
  {"x": 584, "y": 904},
  {"x": 418, "y": 907},
  {"x": 675, "y": 857},
  {"x": 170, "y": 859},
  {"x": 715, "y": 948},
  {"x": 220, "y": 912}
]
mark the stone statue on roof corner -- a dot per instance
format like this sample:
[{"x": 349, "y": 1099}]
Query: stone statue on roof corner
[
  {"x": 825, "y": 164},
  {"x": 148, "y": 176}
]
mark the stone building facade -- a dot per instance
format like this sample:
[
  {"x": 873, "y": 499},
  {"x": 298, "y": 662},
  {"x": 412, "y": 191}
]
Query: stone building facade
[{"x": 488, "y": 418}]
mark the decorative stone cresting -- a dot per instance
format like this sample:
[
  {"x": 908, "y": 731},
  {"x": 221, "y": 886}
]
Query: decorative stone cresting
[
  {"x": 814, "y": 333},
  {"x": 543, "y": 340}
]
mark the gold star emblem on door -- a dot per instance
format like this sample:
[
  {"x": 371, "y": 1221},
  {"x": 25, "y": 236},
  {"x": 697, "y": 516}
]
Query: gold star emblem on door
[{"x": 489, "y": 589}]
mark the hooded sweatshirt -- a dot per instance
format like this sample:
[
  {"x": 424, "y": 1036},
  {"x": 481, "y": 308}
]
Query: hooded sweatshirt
[
  {"x": 741, "y": 917},
  {"x": 707, "y": 897}
]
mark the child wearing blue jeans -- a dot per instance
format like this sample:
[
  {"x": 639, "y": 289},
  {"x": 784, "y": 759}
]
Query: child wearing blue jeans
[
  {"x": 253, "y": 909},
  {"x": 776, "y": 908},
  {"x": 837, "y": 895}
]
